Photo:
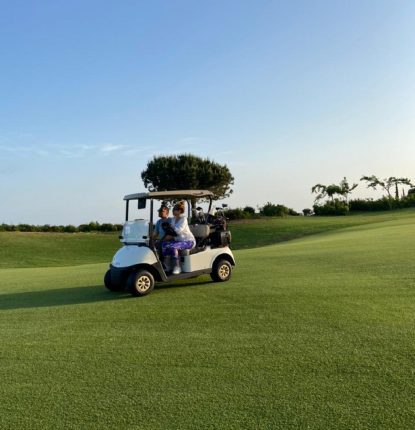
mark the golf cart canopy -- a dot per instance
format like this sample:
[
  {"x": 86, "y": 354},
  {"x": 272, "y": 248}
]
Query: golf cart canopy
[
  {"x": 173, "y": 194},
  {"x": 166, "y": 195}
]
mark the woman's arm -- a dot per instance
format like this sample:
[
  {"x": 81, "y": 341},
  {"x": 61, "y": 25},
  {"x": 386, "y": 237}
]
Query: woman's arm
[{"x": 180, "y": 226}]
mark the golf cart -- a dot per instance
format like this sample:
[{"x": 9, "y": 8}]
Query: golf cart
[{"x": 137, "y": 265}]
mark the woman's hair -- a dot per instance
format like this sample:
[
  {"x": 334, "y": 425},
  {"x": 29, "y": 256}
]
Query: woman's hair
[{"x": 179, "y": 206}]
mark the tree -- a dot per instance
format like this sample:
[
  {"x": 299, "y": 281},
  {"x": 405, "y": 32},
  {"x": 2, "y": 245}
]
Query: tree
[
  {"x": 343, "y": 189},
  {"x": 346, "y": 189},
  {"x": 249, "y": 210},
  {"x": 187, "y": 171},
  {"x": 326, "y": 190},
  {"x": 387, "y": 184}
]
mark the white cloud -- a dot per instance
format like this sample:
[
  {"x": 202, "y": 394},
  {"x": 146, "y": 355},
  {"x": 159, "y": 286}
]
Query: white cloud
[
  {"x": 107, "y": 148},
  {"x": 71, "y": 150},
  {"x": 131, "y": 150}
]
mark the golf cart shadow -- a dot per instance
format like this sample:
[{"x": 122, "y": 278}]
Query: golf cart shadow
[
  {"x": 58, "y": 297},
  {"x": 192, "y": 282}
]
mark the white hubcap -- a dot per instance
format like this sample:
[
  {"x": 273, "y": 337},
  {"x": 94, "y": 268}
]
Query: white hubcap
[
  {"x": 143, "y": 283},
  {"x": 224, "y": 271}
]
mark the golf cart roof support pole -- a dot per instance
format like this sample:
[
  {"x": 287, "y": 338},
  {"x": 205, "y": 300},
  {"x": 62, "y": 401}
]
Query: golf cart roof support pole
[
  {"x": 210, "y": 204},
  {"x": 126, "y": 210},
  {"x": 189, "y": 208},
  {"x": 150, "y": 227}
]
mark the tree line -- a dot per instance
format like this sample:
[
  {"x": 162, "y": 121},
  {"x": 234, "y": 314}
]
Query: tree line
[
  {"x": 92, "y": 227},
  {"x": 248, "y": 212},
  {"x": 398, "y": 193},
  {"x": 187, "y": 171}
]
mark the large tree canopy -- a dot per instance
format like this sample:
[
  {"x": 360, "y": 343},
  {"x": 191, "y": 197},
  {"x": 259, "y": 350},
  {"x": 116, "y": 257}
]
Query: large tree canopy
[{"x": 187, "y": 171}]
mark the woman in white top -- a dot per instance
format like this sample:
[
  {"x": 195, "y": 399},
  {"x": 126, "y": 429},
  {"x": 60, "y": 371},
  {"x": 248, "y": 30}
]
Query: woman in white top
[{"x": 184, "y": 238}]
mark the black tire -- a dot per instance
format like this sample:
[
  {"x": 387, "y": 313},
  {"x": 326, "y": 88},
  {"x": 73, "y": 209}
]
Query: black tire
[
  {"x": 109, "y": 284},
  {"x": 140, "y": 283},
  {"x": 221, "y": 271}
]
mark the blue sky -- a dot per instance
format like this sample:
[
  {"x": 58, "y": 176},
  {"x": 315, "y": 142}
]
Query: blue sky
[{"x": 287, "y": 94}]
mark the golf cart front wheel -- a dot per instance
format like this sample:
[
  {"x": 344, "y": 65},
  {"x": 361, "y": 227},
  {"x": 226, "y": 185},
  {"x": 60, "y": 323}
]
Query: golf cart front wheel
[
  {"x": 140, "y": 283},
  {"x": 222, "y": 271}
]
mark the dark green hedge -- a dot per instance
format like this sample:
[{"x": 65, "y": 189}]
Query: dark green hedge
[{"x": 91, "y": 227}]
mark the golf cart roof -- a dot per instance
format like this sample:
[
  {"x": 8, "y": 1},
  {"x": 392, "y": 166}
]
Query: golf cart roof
[{"x": 172, "y": 194}]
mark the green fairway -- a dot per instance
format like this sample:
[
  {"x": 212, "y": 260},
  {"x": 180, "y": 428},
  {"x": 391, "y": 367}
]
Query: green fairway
[
  {"x": 314, "y": 333},
  {"x": 267, "y": 231}
]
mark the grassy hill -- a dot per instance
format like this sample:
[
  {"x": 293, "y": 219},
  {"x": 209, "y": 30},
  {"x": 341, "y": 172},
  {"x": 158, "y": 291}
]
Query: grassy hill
[
  {"x": 312, "y": 333},
  {"x": 267, "y": 231},
  {"x": 56, "y": 249},
  {"x": 64, "y": 249}
]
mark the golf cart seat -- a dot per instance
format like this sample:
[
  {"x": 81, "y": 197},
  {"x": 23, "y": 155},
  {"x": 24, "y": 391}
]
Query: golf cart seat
[{"x": 201, "y": 233}]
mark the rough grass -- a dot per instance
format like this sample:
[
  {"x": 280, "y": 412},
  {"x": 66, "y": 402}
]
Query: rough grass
[
  {"x": 315, "y": 333},
  {"x": 20, "y": 249}
]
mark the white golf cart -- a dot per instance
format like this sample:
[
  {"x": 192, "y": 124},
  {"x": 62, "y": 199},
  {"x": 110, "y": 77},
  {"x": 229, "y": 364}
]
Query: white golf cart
[{"x": 137, "y": 266}]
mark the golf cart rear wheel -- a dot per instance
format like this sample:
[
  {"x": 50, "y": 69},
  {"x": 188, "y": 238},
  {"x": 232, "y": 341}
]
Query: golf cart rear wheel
[
  {"x": 140, "y": 283},
  {"x": 222, "y": 271},
  {"x": 111, "y": 285}
]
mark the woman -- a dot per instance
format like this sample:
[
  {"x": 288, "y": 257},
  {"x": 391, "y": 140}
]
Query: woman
[{"x": 184, "y": 238}]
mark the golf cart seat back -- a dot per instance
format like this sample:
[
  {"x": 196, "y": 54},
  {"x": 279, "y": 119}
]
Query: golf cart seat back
[{"x": 200, "y": 231}]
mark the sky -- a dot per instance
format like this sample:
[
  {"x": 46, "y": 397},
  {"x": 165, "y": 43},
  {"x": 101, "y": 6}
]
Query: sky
[{"x": 286, "y": 94}]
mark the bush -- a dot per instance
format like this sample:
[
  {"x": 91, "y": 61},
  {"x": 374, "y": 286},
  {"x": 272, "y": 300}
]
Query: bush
[
  {"x": 332, "y": 207},
  {"x": 237, "y": 213},
  {"x": 365, "y": 205},
  {"x": 408, "y": 201},
  {"x": 26, "y": 228},
  {"x": 70, "y": 229},
  {"x": 249, "y": 210},
  {"x": 383, "y": 204},
  {"x": 269, "y": 209},
  {"x": 92, "y": 226},
  {"x": 107, "y": 227}
]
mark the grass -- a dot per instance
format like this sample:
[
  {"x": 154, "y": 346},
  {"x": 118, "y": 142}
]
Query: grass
[
  {"x": 55, "y": 249},
  {"x": 315, "y": 333},
  {"x": 64, "y": 249},
  {"x": 267, "y": 231}
]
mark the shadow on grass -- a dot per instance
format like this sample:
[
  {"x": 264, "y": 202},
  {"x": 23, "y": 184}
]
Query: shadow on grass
[
  {"x": 59, "y": 297},
  {"x": 181, "y": 284},
  {"x": 75, "y": 296}
]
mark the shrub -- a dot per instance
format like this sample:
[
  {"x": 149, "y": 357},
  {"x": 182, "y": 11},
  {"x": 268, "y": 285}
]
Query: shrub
[
  {"x": 269, "y": 209},
  {"x": 249, "y": 210},
  {"x": 307, "y": 212},
  {"x": 107, "y": 227},
  {"x": 237, "y": 213},
  {"x": 92, "y": 226},
  {"x": 383, "y": 204},
  {"x": 26, "y": 227},
  {"x": 332, "y": 207},
  {"x": 70, "y": 229}
]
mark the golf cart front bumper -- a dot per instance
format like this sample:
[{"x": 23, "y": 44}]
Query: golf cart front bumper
[{"x": 119, "y": 275}]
